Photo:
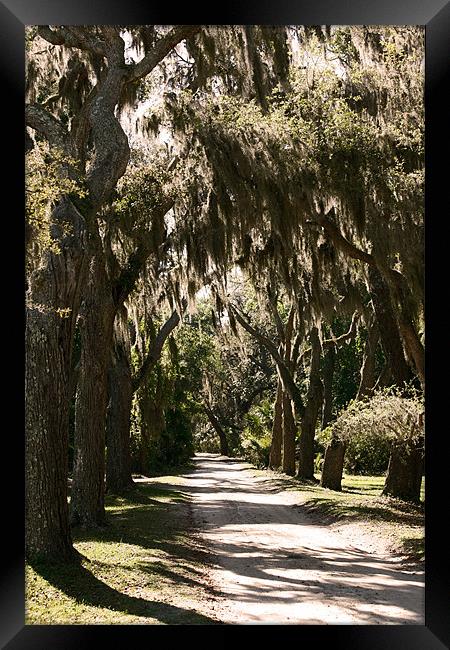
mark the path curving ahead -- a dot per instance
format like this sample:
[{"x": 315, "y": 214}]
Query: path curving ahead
[{"x": 271, "y": 564}]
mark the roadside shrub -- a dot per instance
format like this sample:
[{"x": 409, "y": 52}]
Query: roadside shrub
[
  {"x": 367, "y": 455},
  {"x": 370, "y": 426}
]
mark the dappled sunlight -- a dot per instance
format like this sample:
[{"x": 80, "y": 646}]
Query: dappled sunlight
[{"x": 274, "y": 564}]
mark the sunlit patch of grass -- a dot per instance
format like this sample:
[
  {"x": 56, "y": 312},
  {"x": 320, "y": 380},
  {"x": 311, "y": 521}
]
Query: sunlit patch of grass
[{"x": 142, "y": 568}]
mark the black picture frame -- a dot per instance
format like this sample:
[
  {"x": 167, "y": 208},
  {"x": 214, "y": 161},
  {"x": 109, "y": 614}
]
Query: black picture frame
[{"x": 435, "y": 16}]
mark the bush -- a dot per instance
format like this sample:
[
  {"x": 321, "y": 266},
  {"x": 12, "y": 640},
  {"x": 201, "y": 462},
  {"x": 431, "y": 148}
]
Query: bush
[
  {"x": 370, "y": 426},
  {"x": 367, "y": 455}
]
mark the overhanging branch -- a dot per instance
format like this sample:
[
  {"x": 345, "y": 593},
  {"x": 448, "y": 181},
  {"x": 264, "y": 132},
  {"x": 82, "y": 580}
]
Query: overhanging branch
[
  {"x": 72, "y": 37},
  {"x": 160, "y": 50}
]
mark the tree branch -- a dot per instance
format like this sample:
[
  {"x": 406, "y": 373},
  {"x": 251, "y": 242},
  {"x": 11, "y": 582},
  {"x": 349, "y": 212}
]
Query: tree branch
[
  {"x": 285, "y": 374},
  {"x": 72, "y": 37},
  {"x": 37, "y": 118},
  {"x": 154, "y": 352},
  {"x": 272, "y": 301},
  {"x": 132, "y": 269},
  {"x": 160, "y": 50},
  {"x": 343, "y": 338}
]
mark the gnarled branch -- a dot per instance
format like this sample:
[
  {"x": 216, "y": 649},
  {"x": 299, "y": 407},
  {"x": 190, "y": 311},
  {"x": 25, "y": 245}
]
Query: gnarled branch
[{"x": 72, "y": 37}]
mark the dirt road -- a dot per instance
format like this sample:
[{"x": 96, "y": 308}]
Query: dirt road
[{"x": 272, "y": 564}]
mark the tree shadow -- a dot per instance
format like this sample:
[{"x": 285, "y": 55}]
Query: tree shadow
[
  {"x": 78, "y": 582},
  {"x": 330, "y": 511}
]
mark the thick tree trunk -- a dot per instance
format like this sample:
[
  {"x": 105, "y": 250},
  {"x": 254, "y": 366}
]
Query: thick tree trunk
[
  {"x": 312, "y": 409},
  {"x": 46, "y": 444},
  {"x": 388, "y": 328},
  {"x": 368, "y": 378},
  {"x": 87, "y": 504},
  {"x": 289, "y": 431},
  {"x": 404, "y": 475},
  {"x": 277, "y": 429},
  {"x": 56, "y": 285},
  {"x": 333, "y": 465},
  {"x": 328, "y": 373},
  {"x": 118, "y": 457}
]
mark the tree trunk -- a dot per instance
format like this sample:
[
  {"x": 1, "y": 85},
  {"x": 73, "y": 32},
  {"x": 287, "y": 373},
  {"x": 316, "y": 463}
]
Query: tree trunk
[
  {"x": 404, "y": 475},
  {"x": 328, "y": 373},
  {"x": 57, "y": 284},
  {"x": 333, "y": 465},
  {"x": 88, "y": 487},
  {"x": 118, "y": 457},
  {"x": 46, "y": 444},
  {"x": 313, "y": 404},
  {"x": 220, "y": 432},
  {"x": 277, "y": 429},
  {"x": 289, "y": 431},
  {"x": 388, "y": 328}
]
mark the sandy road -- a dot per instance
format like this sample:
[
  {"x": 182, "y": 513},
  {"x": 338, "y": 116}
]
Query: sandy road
[{"x": 272, "y": 564}]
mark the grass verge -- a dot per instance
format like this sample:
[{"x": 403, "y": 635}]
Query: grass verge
[{"x": 144, "y": 567}]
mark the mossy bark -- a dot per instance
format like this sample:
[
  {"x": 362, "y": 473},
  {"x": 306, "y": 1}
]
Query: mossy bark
[{"x": 56, "y": 284}]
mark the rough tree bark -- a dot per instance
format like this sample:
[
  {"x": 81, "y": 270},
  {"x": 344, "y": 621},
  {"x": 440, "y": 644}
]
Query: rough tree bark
[
  {"x": 97, "y": 318},
  {"x": 289, "y": 431},
  {"x": 289, "y": 427},
  {"x": 404, "y": 475},
  {"x": 333, "y": 465},
  {"x": 55, "y": 285},
  {"x": 312, "y": 408}
]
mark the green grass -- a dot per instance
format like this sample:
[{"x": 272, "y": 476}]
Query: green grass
[
  {"x": 369, "y": 484},
  {"x": 144, "y": 567}
]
